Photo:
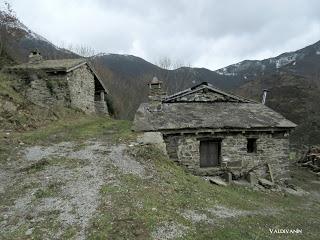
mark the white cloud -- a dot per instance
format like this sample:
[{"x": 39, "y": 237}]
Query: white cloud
[{"x": 204, "y": 33}]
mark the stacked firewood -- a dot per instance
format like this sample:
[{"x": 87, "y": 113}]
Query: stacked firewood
[{"x": 311, "y": 159}]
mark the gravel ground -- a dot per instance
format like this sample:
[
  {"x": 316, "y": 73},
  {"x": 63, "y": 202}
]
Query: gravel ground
[
  {"x": 211, "y": 215},
  {"x": 76, "y": 172},
  {"x": 48, "y": 191},
  {"x": 169, "y": 230}
]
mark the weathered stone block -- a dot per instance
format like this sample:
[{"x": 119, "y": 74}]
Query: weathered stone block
[{"x": 252, "y": 179}]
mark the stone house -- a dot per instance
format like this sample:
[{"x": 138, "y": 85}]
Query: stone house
[
  {"x": 65, "y": 82},
  {"x": 211, "y": 132}
]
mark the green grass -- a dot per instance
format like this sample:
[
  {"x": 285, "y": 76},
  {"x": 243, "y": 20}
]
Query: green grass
[
  {"x": 73, "y": 127},
  {"x": 83, "y": 128},
  {"x": 6, "y": 88},
  {"x": 135, "y": 207},
  {"x": 49, "y": 191},
  {"x": 36, "y": 167},
  {"x": 139, "y": 205}
]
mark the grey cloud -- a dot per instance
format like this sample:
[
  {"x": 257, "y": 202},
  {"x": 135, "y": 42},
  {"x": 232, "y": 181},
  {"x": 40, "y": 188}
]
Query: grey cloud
[{"x": 204, "y": 33}]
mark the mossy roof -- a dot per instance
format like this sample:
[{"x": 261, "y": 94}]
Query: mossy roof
[{"x": 61, "y": 65}]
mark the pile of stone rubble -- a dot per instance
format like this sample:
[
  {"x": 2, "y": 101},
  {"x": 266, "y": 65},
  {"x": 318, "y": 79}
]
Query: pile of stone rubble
[{"x": 311, "y": 159}]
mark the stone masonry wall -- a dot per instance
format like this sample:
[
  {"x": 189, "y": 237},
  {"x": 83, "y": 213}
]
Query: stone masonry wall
[
  {"x": 81, "y": 86},
  {"x": 271, "y": 148},
  {"x": 74, "y": 89},
  {"x": 46, "y": 90},
  {"x": 101, "y": 108}
]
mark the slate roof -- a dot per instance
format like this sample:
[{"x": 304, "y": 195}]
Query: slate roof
[
  {"x": 242, "y": 114},
  {"x": 63, "y": 65},
  {"x": 210, "y": 87},
  {"x": 59, "y": 65}
]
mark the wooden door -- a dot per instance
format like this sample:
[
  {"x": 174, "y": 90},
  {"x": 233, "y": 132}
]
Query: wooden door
[{"x": 209, "y": 153}]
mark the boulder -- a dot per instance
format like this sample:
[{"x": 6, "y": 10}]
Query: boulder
[
  {"x": 265, "y": 183},
  {"x": 154, "y": 138},
  {"x": 217, "y": 180},
  {"x": 251, "y": 178}
]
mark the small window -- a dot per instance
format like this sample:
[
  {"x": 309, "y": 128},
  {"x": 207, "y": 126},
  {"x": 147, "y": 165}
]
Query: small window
[{"x": 252, "y": 145}]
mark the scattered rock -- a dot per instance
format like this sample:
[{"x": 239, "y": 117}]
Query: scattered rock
[
  {"x": 311, "y": 159},
  {"x": 224, "y": 212},
  {"x": 252, "y": 179},
  {"x": 78, "y": 199},
  {"x": 169, "y": 230},
  {"x": 29, "y": 232},
  {"x": 9, "y": 107},
  {"x": 126, "y": 163},
  {"x": 154, "y": 138},
  {"x": 266, "y": 183},
  {"x": 228, "y": 177},
  {"x": 216, "y": 180},
  {"x": 242, "y": 182},
  {"x": 196, "y": 217},
  {"x": 298, "y": 191}
]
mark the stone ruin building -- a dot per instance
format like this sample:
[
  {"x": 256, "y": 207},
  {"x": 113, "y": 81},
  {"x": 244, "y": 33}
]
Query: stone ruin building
[
  {"x": 211, "y": 132},
  {"x": 65, "y": 82}
]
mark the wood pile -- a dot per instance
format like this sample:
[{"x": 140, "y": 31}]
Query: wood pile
[{"x": 311, "y": 159}]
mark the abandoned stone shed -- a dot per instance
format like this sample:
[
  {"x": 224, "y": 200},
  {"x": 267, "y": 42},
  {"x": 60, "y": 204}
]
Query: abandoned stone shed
[
  {"x": 211, "y": 132},
  {"x": 67, "y": 82}
]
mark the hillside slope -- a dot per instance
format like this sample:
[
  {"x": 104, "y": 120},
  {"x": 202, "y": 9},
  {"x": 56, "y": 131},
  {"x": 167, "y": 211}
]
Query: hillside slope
[
  {"x": 88, "y": 178},
  {"x": 295, "y": 97},
  {"x": 304, "y": 62}
]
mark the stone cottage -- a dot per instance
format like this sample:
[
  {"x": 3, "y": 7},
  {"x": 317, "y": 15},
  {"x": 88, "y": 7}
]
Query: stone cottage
[
  {"x": 211, "y": 132},
  {"x": 66, "y": 82}
]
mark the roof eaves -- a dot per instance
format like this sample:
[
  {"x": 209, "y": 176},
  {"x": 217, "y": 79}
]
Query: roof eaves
[
  {"x": 97, "y": 76},
  {"x": 75, "y": 67}
]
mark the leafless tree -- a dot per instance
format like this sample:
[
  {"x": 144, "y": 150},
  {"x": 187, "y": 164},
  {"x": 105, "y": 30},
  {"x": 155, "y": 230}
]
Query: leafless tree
[
  {"x": 177, "y": 74},
  {"x": 80, "y": 49},
  {"x": 8, "y": 20}
]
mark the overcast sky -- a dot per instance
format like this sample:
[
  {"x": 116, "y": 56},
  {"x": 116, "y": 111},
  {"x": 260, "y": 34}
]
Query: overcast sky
[{"x": 203, "y": 33}]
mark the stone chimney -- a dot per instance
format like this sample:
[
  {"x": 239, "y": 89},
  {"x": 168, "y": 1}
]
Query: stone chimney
[
  {"x": 35, "y": 57},
  {"x": 264, "y": 96},
  {"x": 155, "y": 90}
]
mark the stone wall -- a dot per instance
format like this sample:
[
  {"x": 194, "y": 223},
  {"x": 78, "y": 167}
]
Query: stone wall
[
  {"x": 46, "y": 90},
  {"x": 81, "y": 86},
  {"x": 271, "y": 148},
  {"x": 74, "y": 89},
  {"x": 203, "y": 96},
  {"x": 101, "y": 108}
]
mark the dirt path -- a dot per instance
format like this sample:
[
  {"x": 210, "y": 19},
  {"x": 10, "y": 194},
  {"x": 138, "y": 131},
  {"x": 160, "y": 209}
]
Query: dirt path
[
  {"x": 54, "y": 192},
  {"x": 59, "y": 186}
]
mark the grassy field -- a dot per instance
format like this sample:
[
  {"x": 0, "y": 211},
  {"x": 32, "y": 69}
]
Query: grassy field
[
  {"x": 90, "y": 168},
  {"x": 171, "y": 192}
]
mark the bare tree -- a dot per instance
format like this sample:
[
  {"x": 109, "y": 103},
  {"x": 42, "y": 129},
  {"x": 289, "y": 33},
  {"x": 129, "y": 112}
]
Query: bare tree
[
  {"x": 177, "y": 74},
  {"x": 8, "y": 20},
  {"x": 80, "y": 49}
]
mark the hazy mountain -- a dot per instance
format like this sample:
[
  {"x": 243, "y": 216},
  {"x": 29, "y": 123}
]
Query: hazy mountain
[
  {"x": 19, "y": 40},
  {"x": 303, "y": 62}
]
